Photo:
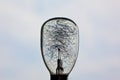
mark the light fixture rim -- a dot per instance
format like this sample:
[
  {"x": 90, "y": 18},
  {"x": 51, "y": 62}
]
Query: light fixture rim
[{"x": 41, "y": 41}]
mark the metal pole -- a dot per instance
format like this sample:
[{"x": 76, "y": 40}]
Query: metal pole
[{"x": 59, "y": 77}]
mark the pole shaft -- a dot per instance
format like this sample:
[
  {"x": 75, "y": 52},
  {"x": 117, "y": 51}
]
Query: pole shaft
[{"x": 59, "y": 77}]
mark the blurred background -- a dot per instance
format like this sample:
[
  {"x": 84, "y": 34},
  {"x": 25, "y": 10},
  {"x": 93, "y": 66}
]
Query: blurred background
[{"x": 99, "y": 25}]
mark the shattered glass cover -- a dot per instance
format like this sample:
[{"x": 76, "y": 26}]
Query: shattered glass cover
[{"x": 59, "y": 39}]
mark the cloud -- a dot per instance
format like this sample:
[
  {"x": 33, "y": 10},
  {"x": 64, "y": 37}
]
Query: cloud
[
  {"x": 21, "y": 24},
  {"x": 98, "y": 22}
]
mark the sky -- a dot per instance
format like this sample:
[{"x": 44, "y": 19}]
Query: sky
[{"x": 99, "y": 47}]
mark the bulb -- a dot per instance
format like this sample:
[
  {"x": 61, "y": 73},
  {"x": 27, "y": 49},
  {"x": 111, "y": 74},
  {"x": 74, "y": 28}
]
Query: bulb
[{"x": 59, "y": 45}]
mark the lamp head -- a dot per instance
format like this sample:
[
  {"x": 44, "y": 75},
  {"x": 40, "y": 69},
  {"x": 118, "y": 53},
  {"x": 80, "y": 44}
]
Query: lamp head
[{"x": 59, "y": 45}]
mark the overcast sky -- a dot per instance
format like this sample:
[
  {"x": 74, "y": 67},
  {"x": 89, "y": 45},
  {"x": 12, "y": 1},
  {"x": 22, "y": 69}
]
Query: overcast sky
[{"x": 99, "y": 25}]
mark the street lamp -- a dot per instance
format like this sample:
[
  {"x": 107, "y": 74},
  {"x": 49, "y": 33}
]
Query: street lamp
[{"x": 59, "y": 46}]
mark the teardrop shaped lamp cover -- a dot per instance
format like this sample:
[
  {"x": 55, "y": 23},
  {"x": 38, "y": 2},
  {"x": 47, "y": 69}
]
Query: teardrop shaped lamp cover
[{"x": 59, "y": 45}]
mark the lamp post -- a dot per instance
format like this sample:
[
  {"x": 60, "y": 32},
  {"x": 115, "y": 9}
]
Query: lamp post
[{"x": 59, "y": 46}]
